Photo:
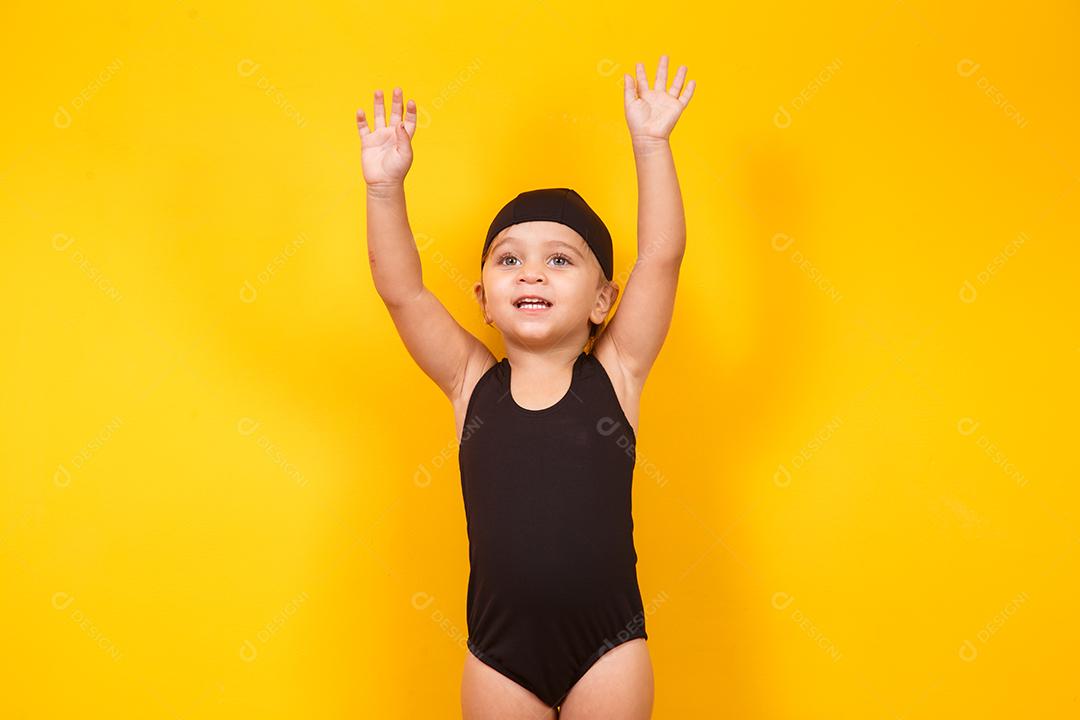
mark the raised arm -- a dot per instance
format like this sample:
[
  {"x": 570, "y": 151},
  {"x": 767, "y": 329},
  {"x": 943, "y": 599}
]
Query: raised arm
[
  {"x": 636, "y": 333},
  {"x": 439, "y": 345}
]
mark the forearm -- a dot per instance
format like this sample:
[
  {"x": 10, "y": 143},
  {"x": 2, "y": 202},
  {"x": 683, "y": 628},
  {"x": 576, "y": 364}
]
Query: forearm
[
  {"x": 395, "y": 261},
  {"x": 661, "y": 222}
]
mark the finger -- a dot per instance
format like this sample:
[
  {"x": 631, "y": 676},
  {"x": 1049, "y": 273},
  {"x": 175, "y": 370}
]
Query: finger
[
  {"x": 361, "y": 123},
  {"x": 676, "y": 84},
  {"x": 629, "y": 94},
  {"x": 395, "y": 107},
  {"x": 687, "y": 93},
  {"x": 642, "y": 83},
  {"x": 410, "y": 118},
  {"x": 660, "y": 83},
  {"x": 380, "y": 110}
]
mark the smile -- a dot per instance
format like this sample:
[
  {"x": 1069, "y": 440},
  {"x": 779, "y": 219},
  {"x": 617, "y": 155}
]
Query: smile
[{"x": 532, "y": 304}]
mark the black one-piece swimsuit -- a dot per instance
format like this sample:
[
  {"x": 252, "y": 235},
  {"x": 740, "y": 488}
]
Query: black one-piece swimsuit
[{"x": 553, "y": 578}]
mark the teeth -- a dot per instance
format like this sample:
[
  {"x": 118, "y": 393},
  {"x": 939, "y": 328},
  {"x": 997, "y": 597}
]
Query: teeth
[{"x": 533, "y": 303}]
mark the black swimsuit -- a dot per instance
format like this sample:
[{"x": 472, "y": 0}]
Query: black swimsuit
[{"x": 552, "y": 580}]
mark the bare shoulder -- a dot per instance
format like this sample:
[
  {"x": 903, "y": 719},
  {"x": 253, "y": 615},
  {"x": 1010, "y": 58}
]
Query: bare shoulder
[
  {"x": 478, "y": 362},
  {"x": 627, "y": 387}
]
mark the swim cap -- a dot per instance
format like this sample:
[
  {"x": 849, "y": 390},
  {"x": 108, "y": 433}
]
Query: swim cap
[{"x": 561, "y": 205}]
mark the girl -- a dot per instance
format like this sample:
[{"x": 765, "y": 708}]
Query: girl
[{"x": 547, "y": 434}]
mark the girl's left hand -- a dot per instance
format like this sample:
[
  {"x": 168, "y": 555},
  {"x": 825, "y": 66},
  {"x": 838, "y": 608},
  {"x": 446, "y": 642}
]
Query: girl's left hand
[{"x": 651, "y": 113}]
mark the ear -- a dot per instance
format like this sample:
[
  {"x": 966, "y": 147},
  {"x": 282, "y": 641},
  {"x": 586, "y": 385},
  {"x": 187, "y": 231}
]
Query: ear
[
  {"x": 478, "y": 290},
  {"x": 604, "y": 302}
]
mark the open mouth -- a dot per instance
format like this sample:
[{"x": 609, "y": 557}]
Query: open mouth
[{"x": 532, "y": 303}]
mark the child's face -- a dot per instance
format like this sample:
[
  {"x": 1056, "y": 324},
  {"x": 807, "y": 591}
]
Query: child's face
[{"x": 547, "y": 260}]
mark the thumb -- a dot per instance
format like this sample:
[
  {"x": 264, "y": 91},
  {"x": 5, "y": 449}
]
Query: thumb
[{"x": 401, "y": 134}]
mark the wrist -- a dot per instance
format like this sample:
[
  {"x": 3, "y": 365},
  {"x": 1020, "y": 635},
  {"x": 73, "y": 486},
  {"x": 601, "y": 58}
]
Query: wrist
[
  {"x": 647, "y": 144},
  {"x": 385, "y": 189}
]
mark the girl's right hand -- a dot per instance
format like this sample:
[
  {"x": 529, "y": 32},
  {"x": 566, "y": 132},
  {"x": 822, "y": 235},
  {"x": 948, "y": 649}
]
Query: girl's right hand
[{"x": 386, "y": 151}]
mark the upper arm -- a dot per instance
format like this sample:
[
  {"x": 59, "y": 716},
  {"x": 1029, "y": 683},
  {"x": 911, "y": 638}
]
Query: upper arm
[
  {"x": 442, "y": 348},
  {"x": 635, "y": 335}
]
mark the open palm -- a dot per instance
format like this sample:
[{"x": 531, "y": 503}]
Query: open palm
[
  {"x": 652, "y": 112},
  {"x": 386, "y": 151}
]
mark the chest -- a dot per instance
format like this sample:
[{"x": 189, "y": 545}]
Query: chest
[
  {"x": 571, "y": 448},
  {"x": 628, "y": 404}
]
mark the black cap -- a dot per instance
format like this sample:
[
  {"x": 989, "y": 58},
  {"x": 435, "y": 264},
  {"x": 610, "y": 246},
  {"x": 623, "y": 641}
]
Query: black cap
[{"x": 561, "y": 205}]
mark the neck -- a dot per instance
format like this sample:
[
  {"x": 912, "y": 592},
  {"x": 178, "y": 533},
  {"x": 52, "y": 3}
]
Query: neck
[{"x": 542, "y": 360}]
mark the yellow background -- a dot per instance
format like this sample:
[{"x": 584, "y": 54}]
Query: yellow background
[{"x": 228, "y": 491}]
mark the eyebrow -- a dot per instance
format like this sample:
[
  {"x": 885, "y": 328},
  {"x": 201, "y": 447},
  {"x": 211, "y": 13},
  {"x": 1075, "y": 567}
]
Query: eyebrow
[{"x": 510, "y": 238}]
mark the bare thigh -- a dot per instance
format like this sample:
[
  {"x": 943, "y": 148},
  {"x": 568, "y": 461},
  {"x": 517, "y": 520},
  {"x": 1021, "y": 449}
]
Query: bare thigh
[
  {"x": 487, "y": 694},
  {"x": 618, "y": 686}
]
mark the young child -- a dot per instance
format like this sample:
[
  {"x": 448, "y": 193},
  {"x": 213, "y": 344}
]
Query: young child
[{"x": 547, "y": 433}]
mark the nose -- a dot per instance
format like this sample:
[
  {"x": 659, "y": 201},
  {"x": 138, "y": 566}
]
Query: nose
[{"x": 531, "y": 273}]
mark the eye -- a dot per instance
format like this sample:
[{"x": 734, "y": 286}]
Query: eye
[{"x": 557, "y": 256}]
